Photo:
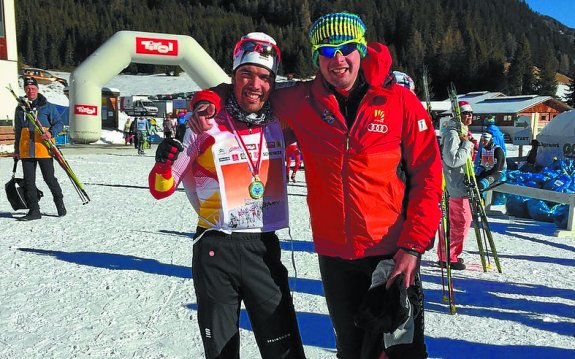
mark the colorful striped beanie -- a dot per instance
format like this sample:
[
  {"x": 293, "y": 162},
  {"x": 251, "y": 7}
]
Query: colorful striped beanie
[{"x": 336, "y": 28}]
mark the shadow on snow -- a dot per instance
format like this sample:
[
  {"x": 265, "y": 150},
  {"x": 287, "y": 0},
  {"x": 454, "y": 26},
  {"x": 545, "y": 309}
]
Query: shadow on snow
[{"x": 474, "y": 297}]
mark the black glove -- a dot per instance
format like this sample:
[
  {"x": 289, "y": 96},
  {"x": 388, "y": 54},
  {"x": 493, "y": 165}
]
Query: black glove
[{"x": 168, "y": 150}]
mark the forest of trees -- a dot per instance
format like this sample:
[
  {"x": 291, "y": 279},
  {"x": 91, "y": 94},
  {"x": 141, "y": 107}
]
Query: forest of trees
[{"x": 489, "y": 45}]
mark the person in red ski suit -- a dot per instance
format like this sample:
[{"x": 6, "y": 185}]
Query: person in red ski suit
[
  {"x": 292, "y": 151},
  {"x": 373, "y": 174}
]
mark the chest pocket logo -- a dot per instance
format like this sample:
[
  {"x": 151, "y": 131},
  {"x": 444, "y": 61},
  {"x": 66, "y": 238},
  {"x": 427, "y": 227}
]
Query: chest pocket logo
[
  {"x": 327, "y": 117},
  {"x": 378, "y": 125}
]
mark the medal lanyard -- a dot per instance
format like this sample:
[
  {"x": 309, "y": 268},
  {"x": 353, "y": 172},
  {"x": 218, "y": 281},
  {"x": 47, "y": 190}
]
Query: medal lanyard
[{"x": 252, "y": 166}]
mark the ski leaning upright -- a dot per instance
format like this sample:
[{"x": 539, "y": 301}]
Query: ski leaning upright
[
  {"x": 480, "y": 223},
  {"x": 443, "y": 230},
  {"x": 32, "y": 116}
]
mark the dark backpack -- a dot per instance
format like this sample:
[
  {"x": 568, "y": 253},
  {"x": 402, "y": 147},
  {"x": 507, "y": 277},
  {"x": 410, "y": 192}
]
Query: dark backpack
[{"x": 15, "y": 191}]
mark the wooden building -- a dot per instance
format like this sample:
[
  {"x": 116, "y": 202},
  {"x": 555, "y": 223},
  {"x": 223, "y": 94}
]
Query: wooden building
[{"x": 512, "y": 113}]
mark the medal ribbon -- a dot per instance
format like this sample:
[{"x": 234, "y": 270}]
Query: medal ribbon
[{"x": 255, "y": 170}]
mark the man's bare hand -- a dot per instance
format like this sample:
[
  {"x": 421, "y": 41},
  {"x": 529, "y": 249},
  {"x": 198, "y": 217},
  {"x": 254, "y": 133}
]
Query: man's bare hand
[
  {"x": 405, "y": 263},
  {"x": 46, "y": 135},
  {"x": 200, "y": 120}
]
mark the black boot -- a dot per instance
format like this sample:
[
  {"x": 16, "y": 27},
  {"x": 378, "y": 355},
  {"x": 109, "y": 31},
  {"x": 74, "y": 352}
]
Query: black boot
[
  {"x": 31, "y": 215},
  {"x": 60, "y": 207}
]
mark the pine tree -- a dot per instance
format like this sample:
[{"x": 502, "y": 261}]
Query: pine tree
[
  {"x": 546, "y": 82},
  {"x": 520, "y": 78},
  {"x": 464, "y": 41},
  {"x": 570, "y": 95}
]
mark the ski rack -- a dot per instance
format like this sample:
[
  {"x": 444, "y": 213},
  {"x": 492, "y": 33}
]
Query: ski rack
[{"x": 78, "y": 186}]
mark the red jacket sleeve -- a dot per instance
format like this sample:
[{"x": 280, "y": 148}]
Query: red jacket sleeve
[
  {"x": 424, "y": 175},
  {"x": 215, "y": 95},
  {"x": 161, "y": 181}
]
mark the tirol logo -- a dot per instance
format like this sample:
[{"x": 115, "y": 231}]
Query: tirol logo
[
  {"x": 87, "y": 110},
  {"x": 151, "y": 46}
]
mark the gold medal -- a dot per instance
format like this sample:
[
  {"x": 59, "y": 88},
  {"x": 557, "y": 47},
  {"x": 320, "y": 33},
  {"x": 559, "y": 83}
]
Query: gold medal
[{"x": 256, "y": 188}]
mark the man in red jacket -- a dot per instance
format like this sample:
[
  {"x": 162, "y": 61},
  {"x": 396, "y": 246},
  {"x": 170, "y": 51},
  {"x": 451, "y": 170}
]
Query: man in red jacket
[{"x": 373, "y": 175}]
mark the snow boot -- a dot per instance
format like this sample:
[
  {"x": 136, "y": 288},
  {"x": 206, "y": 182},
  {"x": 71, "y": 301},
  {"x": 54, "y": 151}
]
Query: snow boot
[
  {"x": 32, "y": 214},
  {"x": 457, "y": 265},
  {"x": 60, "y": 207},
  {"x": 453, "y": 265}
]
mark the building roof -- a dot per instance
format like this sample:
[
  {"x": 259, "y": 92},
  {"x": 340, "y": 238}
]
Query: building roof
[{"x": 496, "y": 102}]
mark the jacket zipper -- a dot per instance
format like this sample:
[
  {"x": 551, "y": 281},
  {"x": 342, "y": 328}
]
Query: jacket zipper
[
  {"x": 345, "y": 170},
  {"x": 345, "y": 182},
  {"x": 345, "y": 191}
]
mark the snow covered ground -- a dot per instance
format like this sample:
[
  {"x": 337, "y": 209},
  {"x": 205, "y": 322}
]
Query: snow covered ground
[{"x": 112, "y": 279}]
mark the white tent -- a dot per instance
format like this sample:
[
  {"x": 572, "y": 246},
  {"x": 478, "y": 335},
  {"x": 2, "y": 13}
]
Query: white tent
[{"x": 557, "y": 139}]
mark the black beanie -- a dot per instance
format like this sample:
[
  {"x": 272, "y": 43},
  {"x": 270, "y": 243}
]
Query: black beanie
[{"x": 30, "y": 81}]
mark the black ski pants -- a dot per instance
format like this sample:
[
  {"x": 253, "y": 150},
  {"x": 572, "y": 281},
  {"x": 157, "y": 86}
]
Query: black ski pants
[
  {"x": 229, "y": 268},
  {"x": 29, "y": 170},
  {"x": 345, "y": 283}
]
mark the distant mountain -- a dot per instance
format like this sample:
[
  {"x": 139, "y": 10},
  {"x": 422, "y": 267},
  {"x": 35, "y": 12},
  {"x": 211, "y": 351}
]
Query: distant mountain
[
  {"x": 467, "y": 42},
  {"x": 558, "y": 26}
]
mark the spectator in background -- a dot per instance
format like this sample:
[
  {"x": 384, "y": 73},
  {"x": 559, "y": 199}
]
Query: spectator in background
[
  {"x": 142, "y": 132},
  {"x": 152, "y": 123},
  {"x": 174, "y": 121},
  {"x": 456, "y": 149},
  {"x": 134, "y": 132},
  {"x": 492, "y": 162},
  {"x": 404, "y": 80},
  {"x": 498, "y": 137},
  {"x": 30, "y": 149},
  {"x": 182, "y": 117},
  {"x": 167, "y": 124},
  {"x": 532, "y": 155},
  {"x": 127, "y": 132},
  {"x": 530, "y": 164},
  {"x": 292, "y": 151}
]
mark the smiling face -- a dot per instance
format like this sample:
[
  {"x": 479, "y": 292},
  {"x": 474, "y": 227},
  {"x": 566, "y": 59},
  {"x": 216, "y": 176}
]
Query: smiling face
[
  {"x": 340, "y": 71},
  {"x": 252, "y": 87},
  {"x": 467, "y": 118},
  {"x": 31, "y": 92}
]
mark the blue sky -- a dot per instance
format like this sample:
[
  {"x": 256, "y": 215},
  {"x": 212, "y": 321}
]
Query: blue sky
[{"x": 562, "y": 10}]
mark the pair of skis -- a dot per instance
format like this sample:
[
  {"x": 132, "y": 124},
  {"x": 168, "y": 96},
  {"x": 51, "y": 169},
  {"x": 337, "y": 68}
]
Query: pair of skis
[
  {"x": 448, "y": 296},
  {"x": 479, "y": 217},
  {"x": 32, "y": 116}
]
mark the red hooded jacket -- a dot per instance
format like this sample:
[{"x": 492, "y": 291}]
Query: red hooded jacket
[{"x": 373, "y": 187}]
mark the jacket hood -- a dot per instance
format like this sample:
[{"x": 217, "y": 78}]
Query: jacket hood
[
  {"x": 494, "y": 130},
  {"x": 377, "y": 64}
]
